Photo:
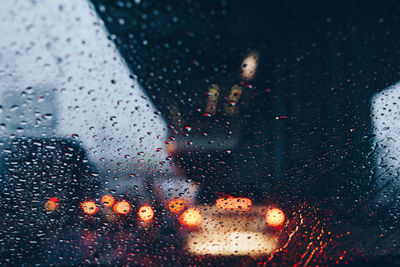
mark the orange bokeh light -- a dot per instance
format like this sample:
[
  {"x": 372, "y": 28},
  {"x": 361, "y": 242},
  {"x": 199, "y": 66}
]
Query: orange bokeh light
[
  {"x": 275, "y": 217},
  {"x": 176, "y": 205},
  {"x": 190, "y": 217},
  {"x": 146, "y": 213},
  {"x": 51, "y": 204},
  {"x": 122, "y": 207},
  {"x": 234, "y": 203},
  {"x": 107, "y": 200},
  {"x": 89, "y": 207}
]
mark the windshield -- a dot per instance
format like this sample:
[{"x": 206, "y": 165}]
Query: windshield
[{"x": 212, "y": 132}]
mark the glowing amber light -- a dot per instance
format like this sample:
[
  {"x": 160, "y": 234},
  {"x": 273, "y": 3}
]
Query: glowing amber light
[
  {"x": 146, "y": 213},
  {"x": 176, "y": 205},
  {"x": 190, "y": 217},
  {"x": 122, "y": 207},
  {"x": 275, "y": 217},
  {"x": 234, "y": 203},
  {"x": 107, "y": 200},
  {"x": 51, "y": 204},
  {"x": 89, "y": 207}
]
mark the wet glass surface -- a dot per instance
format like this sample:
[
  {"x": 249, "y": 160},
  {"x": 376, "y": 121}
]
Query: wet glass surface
[{"x": 212, "y": 132}]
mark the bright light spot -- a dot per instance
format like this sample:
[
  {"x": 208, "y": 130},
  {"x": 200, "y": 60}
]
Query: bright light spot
[
  {"x": 146, "y": 213},
  {"x": 89, "y": 207},
  {"x": 275, "y": 217},
  {"x": 122, "y": 207},
  {"x": 176, "y": 205},
  {"x": 51, "y": 204},
  {"x": 249, "y": 66},
  {"x": 191, "y": 217},
  {"x": 227, "y": 243},
  {"x": 226, "y": 234},
  {"x": 234, "y": 203},
  {"x": 386, "y": 146},
  {"x": 107, "y": 200}
]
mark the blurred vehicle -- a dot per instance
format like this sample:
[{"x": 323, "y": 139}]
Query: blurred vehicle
[{"x": 233, "y": 226}]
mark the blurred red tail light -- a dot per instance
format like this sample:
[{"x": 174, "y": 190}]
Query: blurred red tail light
[
  {"x": 122, "y": 207},
  {"x": 89, "y": 207},
  {"x": 190, "y": 217},
  {"x": 146, "y": 213},
  {"x": 52, "y": 204},
  {"x": 275, "y": 217},
  {"x": 107, "y": 200}
]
